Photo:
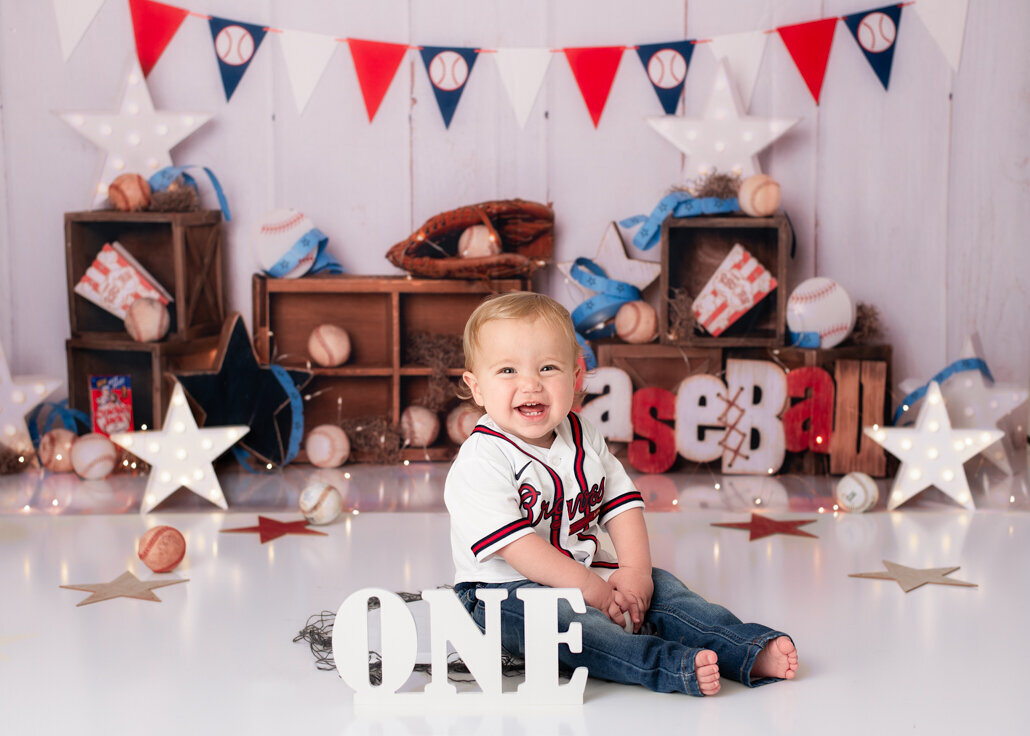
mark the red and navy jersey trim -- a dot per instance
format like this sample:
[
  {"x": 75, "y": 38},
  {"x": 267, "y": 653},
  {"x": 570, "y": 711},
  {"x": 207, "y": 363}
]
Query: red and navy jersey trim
[
  {"x": 620, "y": 501},
  {"x": 559, "y": 495},
  {"x": 605, "y": 565},
  {"x": 576, "y": 425},
  {"x": 505, "y": 531}
]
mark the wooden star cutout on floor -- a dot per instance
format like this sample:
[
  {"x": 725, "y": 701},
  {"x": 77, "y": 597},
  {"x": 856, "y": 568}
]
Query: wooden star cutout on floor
[
  {"x": 125, "y": 585},
  {"x": 241, "y": 391},
  {"x": 762, "y": 526},
  {"x": 270, "y": 529},
  {"x": 910, "y": 578}
]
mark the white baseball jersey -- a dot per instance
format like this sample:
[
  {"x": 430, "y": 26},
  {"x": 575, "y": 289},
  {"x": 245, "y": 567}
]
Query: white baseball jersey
[{"x": 501, "y": 488}]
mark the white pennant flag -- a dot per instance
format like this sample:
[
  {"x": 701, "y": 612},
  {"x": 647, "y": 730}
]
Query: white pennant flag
[
  {"x": 742, "y": 53},
  {"x": 946, "y": 22},
  {"x": 307, "y": 55},
  {"x": 522, "y": 71},
  {"x": 73, "y": 18}
]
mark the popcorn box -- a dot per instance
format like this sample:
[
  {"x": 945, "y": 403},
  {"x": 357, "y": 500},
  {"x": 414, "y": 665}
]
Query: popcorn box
[{"x": 738, "y": 284}]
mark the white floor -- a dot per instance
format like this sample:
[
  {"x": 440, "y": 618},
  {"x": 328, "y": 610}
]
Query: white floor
[{"x": 216, "y": 655}]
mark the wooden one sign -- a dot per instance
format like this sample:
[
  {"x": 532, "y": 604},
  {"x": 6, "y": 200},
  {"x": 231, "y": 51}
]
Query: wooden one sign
[
  {"x": 480, "y": 650},
  {"x": 750, "y": 420}
]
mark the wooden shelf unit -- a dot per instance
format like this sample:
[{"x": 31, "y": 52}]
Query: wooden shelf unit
[
  {"x": 181, "y": 250},
  {"x": 379, "y": 313},
  {"x": 692, "y": 249}
]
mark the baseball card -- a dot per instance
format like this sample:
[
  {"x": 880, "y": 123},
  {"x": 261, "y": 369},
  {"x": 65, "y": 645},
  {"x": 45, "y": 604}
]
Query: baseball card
[{"x": 110, "y": 399}]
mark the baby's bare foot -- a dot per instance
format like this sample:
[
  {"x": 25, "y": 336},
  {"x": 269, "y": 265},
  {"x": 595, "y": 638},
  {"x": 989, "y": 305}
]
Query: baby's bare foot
[
  {"x": 779, "y": 659},
  {"x": 706, "y": 669}
]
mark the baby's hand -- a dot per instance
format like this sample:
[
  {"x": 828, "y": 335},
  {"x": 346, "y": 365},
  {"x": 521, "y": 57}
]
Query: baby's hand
[
  {"x": 601, "y": 595},
  {"x": 635, "y": 587}
]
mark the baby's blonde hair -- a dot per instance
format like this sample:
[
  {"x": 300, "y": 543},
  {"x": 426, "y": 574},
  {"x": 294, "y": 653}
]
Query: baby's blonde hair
[{"x": 517, "y": 305}]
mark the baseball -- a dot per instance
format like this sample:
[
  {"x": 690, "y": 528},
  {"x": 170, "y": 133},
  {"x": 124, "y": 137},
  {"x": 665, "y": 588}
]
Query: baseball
[
  {"x": 327, "y": 446},
  {"x": 419, "y": 426},
  {"x": 329, "y": 345},
  {"x": 55, "y": 450},
  {"x": 461, "y": 420},
  {"x": 856, "y": 492},
  {"x": 93, "y": 456},
  {"x": 147, "y": 320},
  {"x": 667, "y": 68},
  {"x": 448, "y": 70},
  {"x": 821, "y": 307},
  {"x": 759, "y": 195},
  {"x": 478, "y": 241},
  {"x": 636, "y": 322},
  {"x": 234, "y": 45},
  {"x": 129, "y": 193},
  {"x": 876, "y": 32},
  {"x": 278, "y": 232},
  {"x": 320, "y": 502},
  {"x": 162, "y": 548}
]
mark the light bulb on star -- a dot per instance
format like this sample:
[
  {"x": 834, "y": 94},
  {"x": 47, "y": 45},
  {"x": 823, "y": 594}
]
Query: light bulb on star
[
  {"x": 932, "y": 452},
  {"x": 724, "y": 139},
  {"x": 19, "y": 396},
  {"x": 180, "y": 454},
  {"x": 137, "y": 137}
]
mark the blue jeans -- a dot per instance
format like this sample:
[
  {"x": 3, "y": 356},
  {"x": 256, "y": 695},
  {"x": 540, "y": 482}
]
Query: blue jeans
[{"x": 678, "y": 625}]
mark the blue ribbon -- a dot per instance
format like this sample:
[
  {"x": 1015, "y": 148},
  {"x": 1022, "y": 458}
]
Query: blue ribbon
[
  {"x": 588, "y": 353},
  {"x": 60, "y": 410},
  {"x": 804, "y": 339},
  {"x": 590, "y": 317},
  {"x": 297, "y": 406},
  {"x": 163, "y": 179},
  {"x": 313, "y": 239},
  {"x": 963, "y": 364},
  {"x": 677, "y": 204}
]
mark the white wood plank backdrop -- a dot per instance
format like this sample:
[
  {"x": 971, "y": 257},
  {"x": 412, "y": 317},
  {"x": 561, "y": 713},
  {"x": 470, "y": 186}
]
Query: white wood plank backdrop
[{"x": 913, "y": 199}]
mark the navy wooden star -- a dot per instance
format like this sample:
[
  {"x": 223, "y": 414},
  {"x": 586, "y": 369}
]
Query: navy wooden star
[
  {"x": 269, "y": 529},
  {"x": 241, "y": 391},
  {"x": 762, "y": 526}
]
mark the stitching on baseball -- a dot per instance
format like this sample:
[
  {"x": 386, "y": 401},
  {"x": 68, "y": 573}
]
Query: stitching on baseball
[
  {"x": 833, "y": 330},
  {"x": 795, "y": 297},
  {"x": 150, "y": 544},
  {"x": 280, "y": 227}
]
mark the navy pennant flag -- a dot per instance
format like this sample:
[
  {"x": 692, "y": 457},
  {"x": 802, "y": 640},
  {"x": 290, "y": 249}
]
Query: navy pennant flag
[
  {"x": 235, "y": 44},
  {"x": 449, "y": 69},
  {"x": 666, "y": 65},
  {"x": 876, "y": 32}
]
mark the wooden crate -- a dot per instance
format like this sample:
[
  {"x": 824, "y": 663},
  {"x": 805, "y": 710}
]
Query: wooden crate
[
  {"x": 148, "y": 365},
  {"x": 862, "y": 380},
  {"x": 664, "y": 366},
  {"x": 693, "y": 248},
  {"x": 181, "y": 250},
  {"x": 380, "y": 313}
]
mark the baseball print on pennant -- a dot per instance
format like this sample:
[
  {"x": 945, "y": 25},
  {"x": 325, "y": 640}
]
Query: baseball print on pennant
[
  {"x": 235, "y": 45},
  {"x": 448, "y": 70},
  {"x": 876, "y": 33},
  {"x": 666, "y": 65}
]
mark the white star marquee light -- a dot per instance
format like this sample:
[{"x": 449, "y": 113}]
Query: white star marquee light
[
  {"x": 932, "y": 452},
  {"x": 137, "y": 137},
  {"x": 725, "y": 138},
  {"x": 180, "y": 454},
  {"x": 19, "y": 396}
]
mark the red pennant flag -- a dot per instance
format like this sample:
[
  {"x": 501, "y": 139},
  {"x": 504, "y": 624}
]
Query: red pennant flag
[
  {"x": 154, "y": 25},
  {"x": 809, "y": 46},
  {"x": 594, "y": 69},
  {"x": 376, "y": 64}
]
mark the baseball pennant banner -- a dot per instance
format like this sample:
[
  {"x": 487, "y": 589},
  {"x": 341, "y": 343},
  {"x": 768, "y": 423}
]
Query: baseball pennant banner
[
  {"x": 235, "y": 45},
  {"x": 449, "y": 70},
  {"x": 809, "y": 46},
  {"x": 154, "y": 25},
  {"x": 594, "y": 69},
  {"x": 666, "y": 65},
  {"x": 522, "y": 70},
  {"x": 876, "y": 33},
  {"x": 375, "y": 63}
]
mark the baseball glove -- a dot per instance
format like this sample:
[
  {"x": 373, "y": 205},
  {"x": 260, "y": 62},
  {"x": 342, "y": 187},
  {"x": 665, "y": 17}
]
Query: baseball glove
[{"x": 524, "y": 229}]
